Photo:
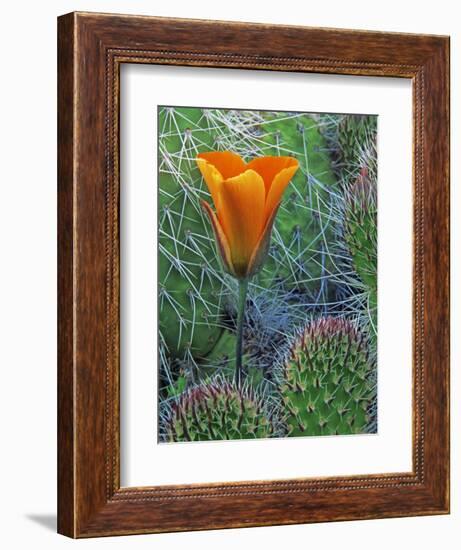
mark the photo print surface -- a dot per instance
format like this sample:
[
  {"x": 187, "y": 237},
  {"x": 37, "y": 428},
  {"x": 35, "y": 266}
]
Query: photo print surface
[{"x": 267, "y": 274}]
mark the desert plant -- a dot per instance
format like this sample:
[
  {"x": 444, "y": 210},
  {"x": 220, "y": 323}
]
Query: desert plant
[
  {"x": 318, "y": 263},
  {"x": 218, "y": 410},
  {"x": 360, "y": 233},
  {"x": 299, "y": 261},
  {"x": 194, "y": 304},
  {"x": 325, "y": 379},
  {"x": 190, "y": 281},
  {"x": 352, "y": 144}
]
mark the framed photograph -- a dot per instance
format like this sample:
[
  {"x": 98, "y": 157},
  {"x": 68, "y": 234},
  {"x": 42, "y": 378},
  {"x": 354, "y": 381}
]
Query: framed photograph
[{"x": 253, "y": 259}]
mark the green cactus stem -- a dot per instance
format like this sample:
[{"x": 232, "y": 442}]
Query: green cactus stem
[
  {"x": 326, "y": 387},
  {"x": 360, "y": 231},
  {"x": 218, "y": 410},
  {"x": 243, "y": 290},
  {"x": 352, "y": 141},
  {"x": 299, "y": 261}
]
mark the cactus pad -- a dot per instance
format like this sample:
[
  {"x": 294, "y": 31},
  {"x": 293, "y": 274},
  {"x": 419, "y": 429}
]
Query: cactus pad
[
  {"x": 217, "y": 411},
  {"x": 326, "y": 388}
]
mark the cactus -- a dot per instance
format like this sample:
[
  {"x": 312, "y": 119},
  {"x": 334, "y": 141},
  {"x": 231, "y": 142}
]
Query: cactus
[
  {"x": 299, "y": 261},
  {"x": 352, "y": 143},
  {"x": 194, "y": 294},
  {"x": 360, "y": 236},
  {"x": 217, "y": 410},
  {"x": 326, "y": 383},
  {"x": 190, "y": 280},
  {"x": 221, "y": 359},
  {"x": 322, "y": 262}
]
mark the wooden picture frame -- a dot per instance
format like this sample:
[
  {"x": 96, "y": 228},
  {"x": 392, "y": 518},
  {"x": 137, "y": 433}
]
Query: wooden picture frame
[{"x": 91, "y": 49}]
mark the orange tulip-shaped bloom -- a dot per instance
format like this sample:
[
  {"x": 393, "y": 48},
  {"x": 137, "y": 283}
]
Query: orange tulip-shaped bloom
[{"x": 246, "y": 197}]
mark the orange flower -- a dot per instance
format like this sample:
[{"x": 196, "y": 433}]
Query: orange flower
[{"x": 246, "y": 198}]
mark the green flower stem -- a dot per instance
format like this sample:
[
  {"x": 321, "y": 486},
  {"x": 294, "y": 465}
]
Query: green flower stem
[{"x": 243, "y": 290}]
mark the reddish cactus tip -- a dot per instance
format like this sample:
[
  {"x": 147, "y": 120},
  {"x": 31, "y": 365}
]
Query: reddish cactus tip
[{"x": 326, "y": 327}]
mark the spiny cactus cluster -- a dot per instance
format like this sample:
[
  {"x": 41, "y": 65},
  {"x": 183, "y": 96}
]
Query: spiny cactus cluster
[
  {"x": 299, "y": 261},
  {"x": 352, "y": 141},
  {"x": 217, "y": 410},
  {"x": 316, "y": 291},
  {"x": 356, "y": 209},
  {"x": 195, "y": 311},
  {"x": 361, "y": 236},
  {"x": 326, "y": 387},
  {"x": 190, "y": 280}
]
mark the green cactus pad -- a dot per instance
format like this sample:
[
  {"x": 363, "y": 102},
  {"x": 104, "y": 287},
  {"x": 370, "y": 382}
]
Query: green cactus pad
[
  {"x": 189, "y": 273},
  {"x": 326, "y": 388},
  {"x": 192, "y": 286},
  {"x": 360, "y": 231},
  {"x": 217, "y": 411},
  {"x": 298, "y": 260},
  {"x": 352, "y": 141},
  {"x": 321, "y": 252}
]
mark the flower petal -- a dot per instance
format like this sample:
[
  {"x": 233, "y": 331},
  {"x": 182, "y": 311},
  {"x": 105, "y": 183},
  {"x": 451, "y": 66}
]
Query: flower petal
[
  {"x": 220, "y": 238},
  {"x": 279, "y": 184},
  {"x": 269, "y": 167},
  {"x": 228, "y": 164},
  {"x": 262, "y": 247},
  {"x": 213, "y": 179},
  {"x": 242, "y": 216}
]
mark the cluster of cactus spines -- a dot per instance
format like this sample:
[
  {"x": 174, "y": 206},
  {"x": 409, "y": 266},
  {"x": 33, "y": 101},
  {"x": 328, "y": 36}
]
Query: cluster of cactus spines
[
  {"x": 318, "y": 266},
  {"x": 326, "y": 384},
  {"x": 353, "y": 145},
  {"x": 218, "y": 410},
  {"x": 361, "y": 235},
  {"x": 192, "y": 288},
  {"x": 299, "y": 262},
  {"x": 193, "y": 292},
  {"x": 357, "y": 245},
  {"x": 352, "y": 142}
]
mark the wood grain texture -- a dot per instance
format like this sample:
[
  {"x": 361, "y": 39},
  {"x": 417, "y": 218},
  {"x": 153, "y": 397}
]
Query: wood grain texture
[
  {"x": 91, "y": 49},
  {"x": 66, "y": 296}
]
